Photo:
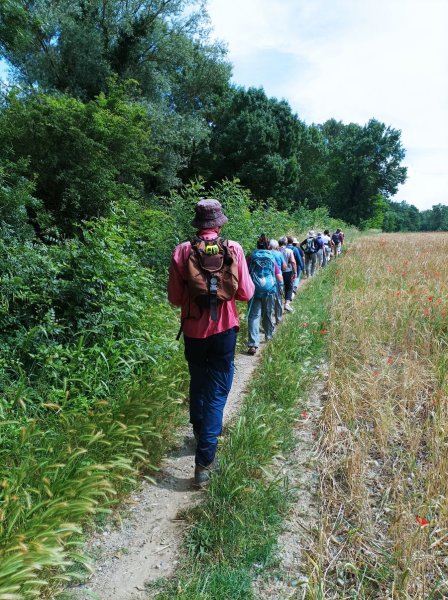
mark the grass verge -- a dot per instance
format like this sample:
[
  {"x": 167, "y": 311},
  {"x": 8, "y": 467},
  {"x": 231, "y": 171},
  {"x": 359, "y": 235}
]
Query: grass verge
[
  {"x": 234, "y": 531},
  {"x": 61, "y": 468}
]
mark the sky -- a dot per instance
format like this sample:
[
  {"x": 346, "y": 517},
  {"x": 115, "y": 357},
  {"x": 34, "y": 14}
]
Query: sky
[{"x": 352, "y": 60}]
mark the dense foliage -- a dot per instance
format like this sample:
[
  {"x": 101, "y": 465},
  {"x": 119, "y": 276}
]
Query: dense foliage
[{"x": 136, "y": 93}]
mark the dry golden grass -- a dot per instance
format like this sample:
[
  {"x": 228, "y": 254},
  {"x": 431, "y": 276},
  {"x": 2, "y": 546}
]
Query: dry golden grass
[{"x": 384, "y": 430}]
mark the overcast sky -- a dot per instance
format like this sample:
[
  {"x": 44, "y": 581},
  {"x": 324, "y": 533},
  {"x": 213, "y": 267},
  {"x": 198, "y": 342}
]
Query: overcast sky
[{"x": 352, "y": 60}]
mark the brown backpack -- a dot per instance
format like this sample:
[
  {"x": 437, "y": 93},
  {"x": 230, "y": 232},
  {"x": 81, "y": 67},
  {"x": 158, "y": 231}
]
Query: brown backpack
[{"x": 212, "y": 273}]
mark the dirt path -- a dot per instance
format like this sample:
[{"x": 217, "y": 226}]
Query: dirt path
[
  {"x": 146, "y": 545},
  {"x": 288, "y": 579}
]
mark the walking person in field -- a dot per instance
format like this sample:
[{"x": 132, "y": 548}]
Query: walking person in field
[
  {"x": 320, "y": 249},
  {"x": 266, "y": 276},
  {"x": 309, "y": 248},
  {"x": 290, "y": 273},
  {"x": 206, "y": 276},
  {"x": 337, "y": 240},
  {"x": 292, "y": 245},
  {"x": 327, "y": 247},
  {"x": 278, "y": 306}
]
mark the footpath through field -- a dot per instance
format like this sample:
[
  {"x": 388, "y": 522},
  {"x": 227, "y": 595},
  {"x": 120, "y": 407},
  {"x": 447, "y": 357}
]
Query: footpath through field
[{"x": 146, "y": 545}]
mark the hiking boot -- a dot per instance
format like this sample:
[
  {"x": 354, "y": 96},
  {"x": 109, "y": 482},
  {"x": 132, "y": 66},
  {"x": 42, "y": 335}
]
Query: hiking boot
[
  {"x": 289, "y": 308},
  {"x": 252, "y": 350},
  {"x": 201, "y": 476}
]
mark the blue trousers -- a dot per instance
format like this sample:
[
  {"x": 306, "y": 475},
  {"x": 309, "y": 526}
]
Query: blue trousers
[
  {"x": 260, "y": 308},
  {"x": 211, "y": 366}
]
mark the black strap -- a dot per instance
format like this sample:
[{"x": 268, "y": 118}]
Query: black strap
[{"x": 213, "y": 289}]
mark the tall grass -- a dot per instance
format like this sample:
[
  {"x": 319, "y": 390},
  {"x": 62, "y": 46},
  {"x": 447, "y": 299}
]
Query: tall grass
[
  {"x": 234, "y": 532},
  {"x": 61, "y": 467},
  {"x": 383, "y": 448}
]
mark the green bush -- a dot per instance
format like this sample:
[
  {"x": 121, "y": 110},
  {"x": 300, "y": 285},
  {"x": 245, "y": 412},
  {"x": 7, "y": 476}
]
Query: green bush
[{"x": 81, "y": 156}]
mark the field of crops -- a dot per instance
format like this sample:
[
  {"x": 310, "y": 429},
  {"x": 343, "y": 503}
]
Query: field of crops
[{"x": 383, "y": 455}]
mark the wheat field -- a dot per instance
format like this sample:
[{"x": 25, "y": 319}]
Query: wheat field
[{"x": 383, "y": 445}]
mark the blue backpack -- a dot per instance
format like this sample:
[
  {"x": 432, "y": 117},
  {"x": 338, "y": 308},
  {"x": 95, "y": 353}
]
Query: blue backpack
[{"x": 262, "y": 271}]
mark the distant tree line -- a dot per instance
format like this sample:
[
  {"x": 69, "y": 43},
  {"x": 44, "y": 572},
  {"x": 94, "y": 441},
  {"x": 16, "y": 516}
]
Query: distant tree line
[{"x": 132, "y": 98}]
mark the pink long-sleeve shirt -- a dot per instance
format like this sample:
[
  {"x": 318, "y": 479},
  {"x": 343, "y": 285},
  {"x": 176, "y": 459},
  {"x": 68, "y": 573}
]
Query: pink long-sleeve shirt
[{"x": 197, "y": 322}]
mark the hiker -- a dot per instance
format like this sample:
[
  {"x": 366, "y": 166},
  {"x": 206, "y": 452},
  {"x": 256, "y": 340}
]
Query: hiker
[
  {"x": 309, "y": 248},
  {"x": 320, "y": 248},
  {"x": 265, "y": 274},
  {"x": 337, "y": 241},
  {"x": 292, "y": 245},
  {"x": 278, "y": 308},
  {"x": 327, "y": 247},
  {"x": 206, "y": 276},
  {"x": 290, "y": 273},
  {"x": 342, "y": 236}
]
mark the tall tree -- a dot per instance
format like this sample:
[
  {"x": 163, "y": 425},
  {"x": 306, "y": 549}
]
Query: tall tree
[
  {"x": 363, "y": 163},
  {"x": 255, "y": 138},
  {"x": 315, "y": 185},
  {"x": 78, "y": 47}
]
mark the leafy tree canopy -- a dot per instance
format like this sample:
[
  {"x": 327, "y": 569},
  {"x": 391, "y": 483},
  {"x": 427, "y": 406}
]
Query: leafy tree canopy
[
  {"x": 75, "y": 46},
  {"x": 256, "y": 139},
  {"x": 80, "y": 156},
  {"x": 364, "y": 161}
]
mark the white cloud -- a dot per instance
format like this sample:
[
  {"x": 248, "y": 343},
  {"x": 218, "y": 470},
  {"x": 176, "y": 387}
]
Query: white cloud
[{"x": 353, "y": 60}]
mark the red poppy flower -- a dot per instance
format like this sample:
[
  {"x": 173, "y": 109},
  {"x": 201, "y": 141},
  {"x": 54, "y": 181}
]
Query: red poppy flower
[
  {"x": 390, "y": 360},
  {"x": 422, "y": 522}
]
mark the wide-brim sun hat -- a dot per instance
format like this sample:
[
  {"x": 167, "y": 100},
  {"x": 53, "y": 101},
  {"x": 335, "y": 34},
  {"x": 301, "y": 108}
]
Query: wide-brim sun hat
[
  {"x": 208, "y": 214},
  {"x": 294, "y": 241},
  {"x": 311, "y": 233}
]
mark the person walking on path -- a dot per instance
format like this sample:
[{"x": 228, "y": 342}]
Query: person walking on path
[
  {"x": 327, "y": 247},
  {"x": 337, "y": 240},
  {"x": 309, "y": 248},
  {"x": 206, "y": 276},
  {"x": 292, "y": 245},
  {"x": 278, "y": 256},
  {"x": 266, "y": 275},
  {"x": 290, "y": 273},
  {"x": 320, "y": 249}
]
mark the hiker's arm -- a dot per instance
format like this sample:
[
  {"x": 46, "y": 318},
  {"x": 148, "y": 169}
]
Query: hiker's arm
[
  {"x": 293, "y": 265},
  {"x": 246, "y": 287},
  {"x": 176, "y": 283},
  {"x": 278, "y": 273}
]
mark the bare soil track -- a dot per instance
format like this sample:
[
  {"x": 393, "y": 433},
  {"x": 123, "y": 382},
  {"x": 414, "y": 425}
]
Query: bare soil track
[{"x": 146, "y": 545}]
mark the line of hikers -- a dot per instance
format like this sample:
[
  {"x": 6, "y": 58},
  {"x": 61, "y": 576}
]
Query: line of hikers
[
  {"x": 276, "y": 268},
  {"x": 207, "y": 275}
]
